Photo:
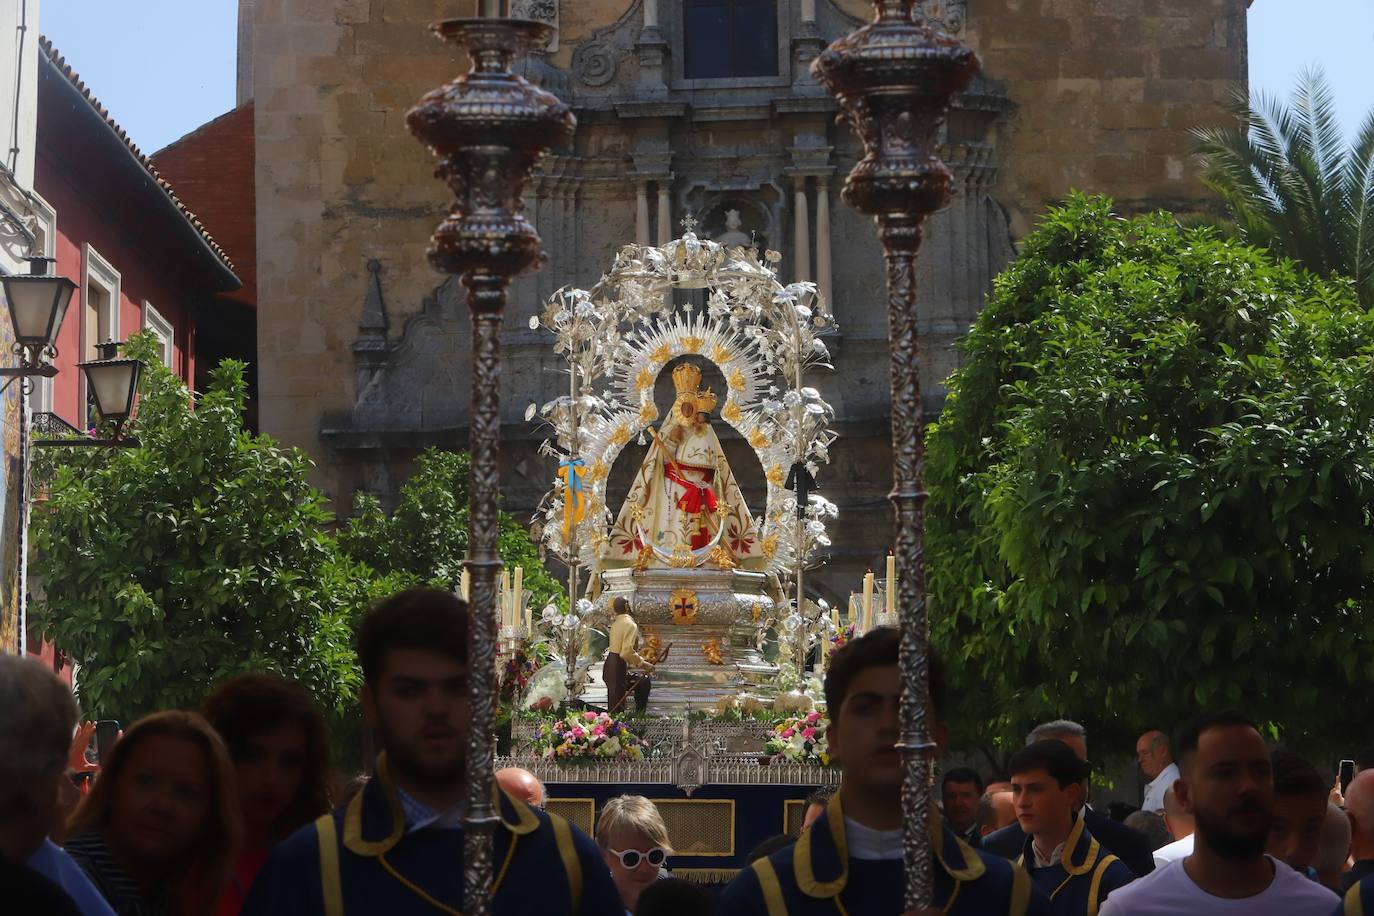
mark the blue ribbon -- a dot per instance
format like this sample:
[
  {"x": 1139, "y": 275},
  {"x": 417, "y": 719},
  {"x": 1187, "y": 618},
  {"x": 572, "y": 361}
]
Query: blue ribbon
[{"x": 574, "y": 478}]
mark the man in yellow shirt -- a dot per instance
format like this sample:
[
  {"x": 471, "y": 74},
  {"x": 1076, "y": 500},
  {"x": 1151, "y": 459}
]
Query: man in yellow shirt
[{"x": 624, "y": 652}]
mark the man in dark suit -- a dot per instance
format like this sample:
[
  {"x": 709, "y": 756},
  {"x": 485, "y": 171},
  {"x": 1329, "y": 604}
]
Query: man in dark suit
[{"x": 1128, "y": 845}]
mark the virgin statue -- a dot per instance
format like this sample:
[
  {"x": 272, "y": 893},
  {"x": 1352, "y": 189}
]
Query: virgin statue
[{"x": 684, "y": 507}]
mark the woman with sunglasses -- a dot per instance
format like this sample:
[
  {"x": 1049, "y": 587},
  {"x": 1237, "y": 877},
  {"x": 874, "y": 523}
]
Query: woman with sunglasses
[{"x": 634, "y": 842}]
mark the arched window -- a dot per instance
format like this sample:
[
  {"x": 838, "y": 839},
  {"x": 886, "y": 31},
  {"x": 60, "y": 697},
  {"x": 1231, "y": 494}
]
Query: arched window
[{"x": 730, "y": 38}]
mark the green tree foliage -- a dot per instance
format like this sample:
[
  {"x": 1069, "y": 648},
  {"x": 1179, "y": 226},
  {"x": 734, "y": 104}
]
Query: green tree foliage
[
  {"x": 1151, "y": 488},
  {"x": 198, "y": 555},
  {"x": 1292, "y": 184},
  {"x": 425, "y": 539}
]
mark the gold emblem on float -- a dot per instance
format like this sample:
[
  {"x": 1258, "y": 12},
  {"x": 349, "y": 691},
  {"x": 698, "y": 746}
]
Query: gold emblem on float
[{"x": 684, "y": 606}]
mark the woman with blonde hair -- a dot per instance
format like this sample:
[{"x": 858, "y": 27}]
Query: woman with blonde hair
[
  {"x": 159, "y": 830},
  {"x": 634, "y": 842}
]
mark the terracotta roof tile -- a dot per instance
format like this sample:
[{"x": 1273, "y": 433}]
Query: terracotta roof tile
[{"x": 46, "y": 45}]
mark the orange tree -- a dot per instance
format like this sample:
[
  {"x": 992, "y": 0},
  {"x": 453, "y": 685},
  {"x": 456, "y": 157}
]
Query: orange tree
[{"x": 1152, "y": 488}]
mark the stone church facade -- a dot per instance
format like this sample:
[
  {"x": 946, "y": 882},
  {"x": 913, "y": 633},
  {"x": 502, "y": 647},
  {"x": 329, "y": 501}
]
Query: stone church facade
[{"x": 686, "y": 108}]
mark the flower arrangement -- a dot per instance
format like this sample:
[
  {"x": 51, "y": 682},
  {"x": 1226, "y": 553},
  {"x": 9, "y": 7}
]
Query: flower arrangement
[
  {"x": 589, "y": 735},
  {"x": 840, "y": 637},
  {"x": 801, "y": 739},
  {"x": 520, "y": 668}
]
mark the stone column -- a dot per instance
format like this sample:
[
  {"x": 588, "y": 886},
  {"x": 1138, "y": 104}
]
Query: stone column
[
  {"x": 808, "y": 10},
  {"x": 801, "y": 240},
  {"x": 665, "y": 213},
  {"x": 641, "y": 213},
  {"x": 823, "y": 236},
  {"x": 650, "y": 14}
]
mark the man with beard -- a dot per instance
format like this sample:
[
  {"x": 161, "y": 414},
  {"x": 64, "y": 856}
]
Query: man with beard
[
  {"x": 1226, "y": 783},
  {"x": 397, "y": 847}
]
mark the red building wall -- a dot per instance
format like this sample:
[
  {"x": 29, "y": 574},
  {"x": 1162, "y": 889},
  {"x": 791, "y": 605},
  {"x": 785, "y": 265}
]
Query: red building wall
[{"x": 82, "y": 220}]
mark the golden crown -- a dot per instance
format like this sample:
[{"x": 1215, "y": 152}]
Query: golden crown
[{"x": 686, "y": 378}]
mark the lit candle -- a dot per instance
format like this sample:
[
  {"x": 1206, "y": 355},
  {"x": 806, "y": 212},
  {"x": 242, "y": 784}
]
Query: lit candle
[
  {"x": 465, "y": 585},
  {"x": 868, "y": 601},
  {"x": 516, "y": 601},
  {"x": 835, "y": 615},
  {"x": 853, "y": 609},
  {"x": 891, "y": 584}
]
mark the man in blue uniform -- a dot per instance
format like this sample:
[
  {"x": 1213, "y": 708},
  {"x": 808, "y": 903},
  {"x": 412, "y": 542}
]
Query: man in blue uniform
[
  {"x": 1048, "y": 782},
  {"x": 397, "y": 848},
  {"x": 850, "y": 860}
]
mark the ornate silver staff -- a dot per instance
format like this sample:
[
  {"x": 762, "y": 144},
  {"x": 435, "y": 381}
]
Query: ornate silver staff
[
  {"x": 894, "y": 79},
  {"x": 488, "y": 128}
]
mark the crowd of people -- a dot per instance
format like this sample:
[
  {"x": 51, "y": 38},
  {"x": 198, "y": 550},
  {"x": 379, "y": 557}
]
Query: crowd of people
[{"x": 231, "y": 809}]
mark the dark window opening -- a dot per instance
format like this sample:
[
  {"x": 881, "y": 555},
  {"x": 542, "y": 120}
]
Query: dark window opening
[{"x": 730, "y": 38}]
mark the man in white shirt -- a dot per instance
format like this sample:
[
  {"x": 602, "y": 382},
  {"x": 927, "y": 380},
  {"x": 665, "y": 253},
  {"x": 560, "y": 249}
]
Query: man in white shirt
[
  {"x": 1227, "y": 784},
  {"x": 1180, "y": 824},
  {"x": 1157, "y": 763}
]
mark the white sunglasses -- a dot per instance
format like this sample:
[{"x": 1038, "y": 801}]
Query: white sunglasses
[{"x": 631, "y": 858}]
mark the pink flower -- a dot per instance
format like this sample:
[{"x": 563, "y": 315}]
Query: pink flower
[
  {"x": 813, "y": 717},
  {"x": 788, "y": 732},
  {"x": 589, "y": 716},
  {"x": 598, "y": 730},
  {"x": 808, "y": 733},
  {"x": 578, "y": 733}
]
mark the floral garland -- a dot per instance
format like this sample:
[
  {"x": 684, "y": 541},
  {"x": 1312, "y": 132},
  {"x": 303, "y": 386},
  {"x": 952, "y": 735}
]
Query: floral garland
[
  {"x": 801, "y": 740},
  {"x": 589, "y": 735}
]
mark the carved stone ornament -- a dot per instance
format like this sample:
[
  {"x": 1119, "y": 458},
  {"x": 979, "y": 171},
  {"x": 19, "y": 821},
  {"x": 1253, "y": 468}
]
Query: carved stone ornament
[
  {"x": 596, "y": 59},
  {"x": 545, "y": 11},
  {"x": 949, "y": 15}
]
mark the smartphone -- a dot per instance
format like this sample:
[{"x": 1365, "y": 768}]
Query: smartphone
[
  {"x": 106, "y": 733},
  {"x": 1347, "y": 773}
]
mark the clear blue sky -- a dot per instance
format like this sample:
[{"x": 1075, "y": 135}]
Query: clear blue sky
[{"x": 164, "y": 67}]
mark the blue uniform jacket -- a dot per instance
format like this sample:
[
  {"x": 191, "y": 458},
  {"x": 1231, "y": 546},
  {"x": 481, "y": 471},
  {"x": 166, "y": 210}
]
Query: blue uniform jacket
[
  {"x": 816, "y": 875},
  {"x": 1082, "y": 878},
  {"x": 1359, "y": 899},
  {"x": 382, "y": 869}
]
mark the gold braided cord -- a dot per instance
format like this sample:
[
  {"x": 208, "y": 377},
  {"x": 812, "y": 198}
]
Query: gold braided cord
[{"x": 438, "y": 904}]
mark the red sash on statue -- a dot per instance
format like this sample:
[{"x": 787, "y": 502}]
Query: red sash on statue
[{"x": 696, "y": 496}]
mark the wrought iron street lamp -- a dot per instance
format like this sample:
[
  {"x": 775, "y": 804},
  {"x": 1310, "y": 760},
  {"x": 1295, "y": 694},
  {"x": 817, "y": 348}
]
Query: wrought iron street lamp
[
  {"x": 37, "y": 304},
  {"x": 488, "y": 128},
  {"x": 894, "y": 80},
  {"x": 113, "y": 383}
]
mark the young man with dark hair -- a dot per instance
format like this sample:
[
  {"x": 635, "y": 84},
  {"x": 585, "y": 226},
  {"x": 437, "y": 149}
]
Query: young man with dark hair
[
  {"x": 1226, "y": 783},
  {"x": 1130, "y": 846},
  {"x": 397, "y": 847},
  {"x": 850, "y": 861},
  {"x": 1299, "y": 811},
  {"x": 1048, "y": 782},
  {"x": 960, "y": 791}
]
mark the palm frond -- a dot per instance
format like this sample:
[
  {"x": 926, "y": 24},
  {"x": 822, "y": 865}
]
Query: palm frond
[{"x": 1359, "y": 192}]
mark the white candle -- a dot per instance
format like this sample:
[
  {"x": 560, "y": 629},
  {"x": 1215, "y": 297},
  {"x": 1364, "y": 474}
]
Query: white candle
[
  {"x": 517, "y": 596},
  {"x": 465, "y": 585},
  {"x": 868, "y": 601},
  {"x": 505, "y": 598},
  {"x": 853, "y": 609},
  {"x": 891, "y": 584}
]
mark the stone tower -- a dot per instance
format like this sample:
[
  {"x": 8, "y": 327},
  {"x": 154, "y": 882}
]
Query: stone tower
[{"x": 685, "y": 108}]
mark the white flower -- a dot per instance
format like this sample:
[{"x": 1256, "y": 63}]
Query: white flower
[{"x": 584, "y": 607}]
